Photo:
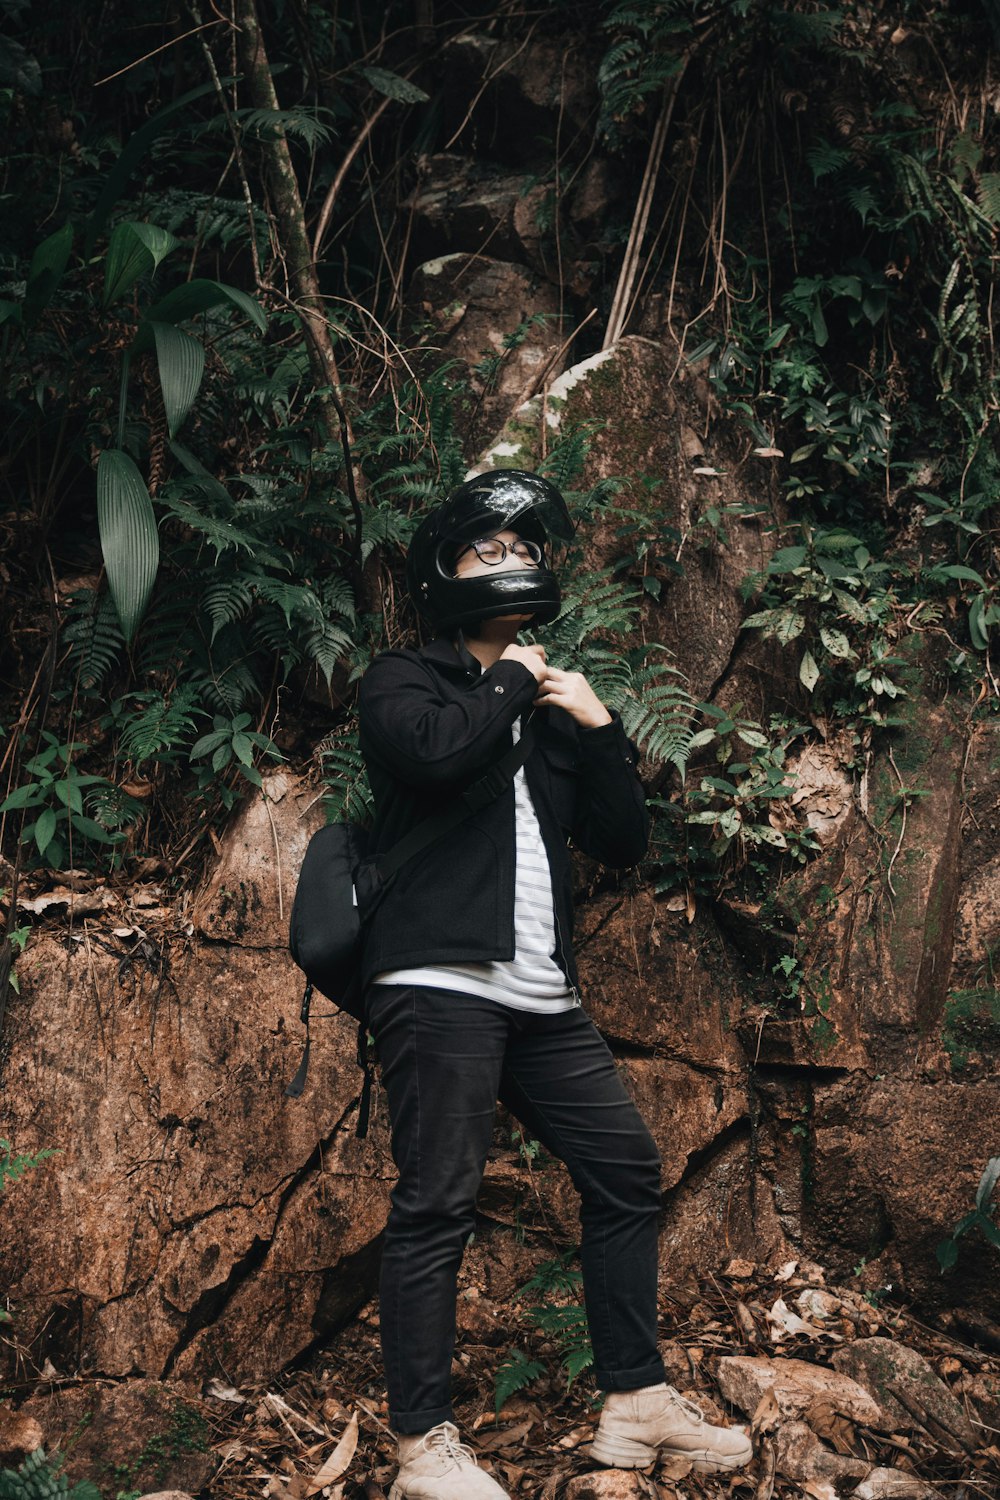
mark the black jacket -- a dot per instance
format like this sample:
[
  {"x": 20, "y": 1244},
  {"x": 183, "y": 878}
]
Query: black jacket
[{"x": 431, "y": 724}]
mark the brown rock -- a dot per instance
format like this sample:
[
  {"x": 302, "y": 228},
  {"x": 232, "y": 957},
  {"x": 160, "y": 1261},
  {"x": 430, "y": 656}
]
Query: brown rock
[
  {"x": 248, "y": 898},
  {"x": 869, "y": 1186},
  {"x": 138, "y": 1434},
  {"x": 893, "y": 1484},
  {"x": 516, "y": 101},
  {"x": 598, "y": 190},
  {"x": 20, "y": 1434},
  {"x": 479, "y": 1321},
  {"x": 796, "y": 1384},
  {"x": 907, "y": 1389},
  {"x": 800, "y": 1455},
  {"x": 473, "y": 304},
  {"x": 193, "y": 1213},
  {"x": 460, "y": 205},
  {"x": 648, "y": 981},
  {"x": 715, "y": 1212}
]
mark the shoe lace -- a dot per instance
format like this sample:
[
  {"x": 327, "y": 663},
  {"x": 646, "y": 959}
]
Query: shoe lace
[
  {"x": 443, "y": 1441},
  {"x": 687, "y": 1407}
]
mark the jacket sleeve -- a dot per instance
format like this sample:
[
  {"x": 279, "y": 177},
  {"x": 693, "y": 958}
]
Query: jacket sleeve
[
  {"x": 425, "y": 739},
  {"x": 611, "y": 822}
]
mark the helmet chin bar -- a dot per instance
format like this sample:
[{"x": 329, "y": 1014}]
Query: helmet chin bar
[{"x": 450, "y": 602}]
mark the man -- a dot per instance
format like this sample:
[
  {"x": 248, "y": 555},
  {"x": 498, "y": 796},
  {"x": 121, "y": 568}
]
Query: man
[{"x": 472, "y": 987}]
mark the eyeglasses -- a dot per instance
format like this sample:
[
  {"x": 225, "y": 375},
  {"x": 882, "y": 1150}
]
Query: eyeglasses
[{"x": 492, "y": 551}]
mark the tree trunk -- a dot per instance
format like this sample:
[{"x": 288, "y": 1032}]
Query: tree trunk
[{"x": 287, "y": 205}]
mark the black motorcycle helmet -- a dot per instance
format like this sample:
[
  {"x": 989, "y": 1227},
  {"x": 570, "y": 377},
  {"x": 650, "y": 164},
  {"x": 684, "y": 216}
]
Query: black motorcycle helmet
[{"x": 498, "y": 500}]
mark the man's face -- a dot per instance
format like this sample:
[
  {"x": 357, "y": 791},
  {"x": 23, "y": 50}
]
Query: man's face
[{"x": 469, "y": 563}]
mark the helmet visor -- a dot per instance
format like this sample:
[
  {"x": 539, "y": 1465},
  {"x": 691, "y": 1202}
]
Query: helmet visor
[{"x": 525, "y": 503}]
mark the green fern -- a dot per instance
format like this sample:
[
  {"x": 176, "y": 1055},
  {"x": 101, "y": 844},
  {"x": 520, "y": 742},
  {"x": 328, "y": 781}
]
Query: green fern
[
  {"x": 306, "y": 124},
  {"x": 157, "y": 726},
  {"x": 658, "y": 713},
  {"x": 227, "y": 600},
  {"x": 595, "y": 605},
  {"x": 516, "y": 1372},
  {"x": 326, "y": 645},
  {"x": 568, "y": 1329},
  {"x": 94, "y": 637},
  {"x": 229, "y": 688},
  {"x": 344, "y": 775},
  {"x": 40, "y": 1477},
  {"x": 220, "y": 534}
]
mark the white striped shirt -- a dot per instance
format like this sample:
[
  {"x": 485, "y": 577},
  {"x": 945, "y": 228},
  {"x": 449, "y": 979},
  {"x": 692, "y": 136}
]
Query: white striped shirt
[{"x": 531, "y": 980}]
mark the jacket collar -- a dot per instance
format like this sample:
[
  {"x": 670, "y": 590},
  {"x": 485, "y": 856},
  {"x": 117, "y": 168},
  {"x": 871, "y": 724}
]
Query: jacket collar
[{"x": 454, "y": 655}]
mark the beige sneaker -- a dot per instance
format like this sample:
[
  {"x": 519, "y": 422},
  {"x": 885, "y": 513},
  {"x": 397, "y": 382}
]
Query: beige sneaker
[
  {"x": 638, "y": 1426},
  {"x": 436, "y": 1466}
]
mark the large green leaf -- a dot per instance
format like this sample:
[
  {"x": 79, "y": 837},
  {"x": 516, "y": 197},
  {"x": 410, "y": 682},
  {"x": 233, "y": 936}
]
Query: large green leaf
[
  {"x": 196, "y": 297},
  {"x": 48, "y": 265},
  {"x": 133, "y": 250},
  {"x": 393, "y": 86},
  {"x": 181, "y": 362},
  {"x": 129, "y": 539}
]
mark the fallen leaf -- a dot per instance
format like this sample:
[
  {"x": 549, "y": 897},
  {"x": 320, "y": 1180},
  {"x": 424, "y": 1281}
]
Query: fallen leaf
[
  {"x": 745, "y": 1319},
  {"x": 787, "y": 1271},
  {"x": 232, "y": 1450},
  {"x": 508, "y": 1436},
  {"x": 783, "y": 1324},
  {"x": 827, "y": 1422},
  {"x": 768, "y": 1413},
  {"x": 339, "y": 1459},
  {"x": 672, "y": 1466},
  {"x": 220, "y": 1391},
  {"x": 765, "y": 1484},
  {"x": 819, "y": 1489},
  {"x": 740, "y": 1270}
]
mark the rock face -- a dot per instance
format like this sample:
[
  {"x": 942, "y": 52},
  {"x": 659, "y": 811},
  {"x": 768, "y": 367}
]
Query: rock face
[
  {"x": 157, "y": 1439},
  {"x": 196, "y": 1221},
  {"x": 497, "y": 318}
]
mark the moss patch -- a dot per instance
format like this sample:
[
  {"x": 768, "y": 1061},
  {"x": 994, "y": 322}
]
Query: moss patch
[{"x": 971, "y": 1023}]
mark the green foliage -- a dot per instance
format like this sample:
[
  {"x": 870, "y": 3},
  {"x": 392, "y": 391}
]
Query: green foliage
[
  {"x": 980, "y": 1217},
  {"x": 845, "y": 274},
  {"x": 152, "y": 726},
  {"x": 65, "y": 802},
  {"x": 827, "y": 590},
  {"x": 558, "y": 1320},
  {"x": 516, "y": 1372},
  {"x": 18, "y": 939},
  {"x": 40, "y": 1477},
  {"x": 13, "y": 1168},
  {"x": 732, "y": 805},
  {"x": 344, "y": 775},
  {"x": 232, "y": 742}
]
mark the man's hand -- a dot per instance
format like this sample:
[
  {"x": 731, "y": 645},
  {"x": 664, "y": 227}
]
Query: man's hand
[
  {"x": 571, "y": 691},
  {"x": 532, "y": 657}
]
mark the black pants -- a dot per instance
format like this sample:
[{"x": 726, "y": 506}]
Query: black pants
[{"x": 446, "y": 1058}]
